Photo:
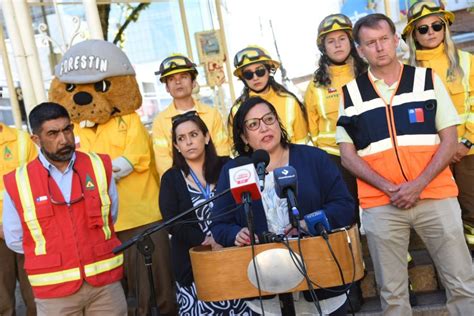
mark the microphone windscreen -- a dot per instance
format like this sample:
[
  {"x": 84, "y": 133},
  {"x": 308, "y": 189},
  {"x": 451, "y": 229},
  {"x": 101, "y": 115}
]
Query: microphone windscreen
[
  {"x": 285, "y": 178},
  {"x": 259, "y": 156},
  {"x": 242, "y": 160}
]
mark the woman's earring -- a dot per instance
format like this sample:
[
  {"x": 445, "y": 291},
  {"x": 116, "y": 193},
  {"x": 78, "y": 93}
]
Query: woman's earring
[{"x": 246, "y": 148}]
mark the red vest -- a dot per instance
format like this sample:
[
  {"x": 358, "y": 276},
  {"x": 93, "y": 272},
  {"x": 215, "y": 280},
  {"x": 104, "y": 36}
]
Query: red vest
[{"x": 65, "y": 245}]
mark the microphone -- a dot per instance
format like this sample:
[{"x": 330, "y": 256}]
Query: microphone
[
  {"x": 286, "y": 186},
  {"x": 261, "y": 159},
  {"x": 318, "y": 223},
  {"x": 244, "y": 188},
  {"x": 243, "y": 181}
]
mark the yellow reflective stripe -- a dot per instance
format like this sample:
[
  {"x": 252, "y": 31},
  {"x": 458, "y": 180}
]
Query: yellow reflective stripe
[
  {"x": 465, "y": 63},
  {"x": 55, "y": 277},
  {"x": 22, "y": 141},
  {"x": 29, "y": 209},
  {"x": 103, "y": 265},
  {"x": 160, "y": 141},
  {"x": 102, "y": 187},
  {"x": 2, "y": 192},
  {"x": 290, "y": 117},
  {"x": 322, "y": 107}
]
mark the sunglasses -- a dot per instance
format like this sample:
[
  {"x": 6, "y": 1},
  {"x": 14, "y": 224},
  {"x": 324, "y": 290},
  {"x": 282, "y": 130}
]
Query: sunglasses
[
  {"x": 71, "y": 201},
  {"x": 260, "y": 72},
  {"x": 436, "y": 26},
  {"x": 254, "y": 123},
  {"x": 251, "y": 54},
  {"x": 183, "y": 117}
]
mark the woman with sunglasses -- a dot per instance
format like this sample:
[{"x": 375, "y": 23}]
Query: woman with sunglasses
[
  {"x": 431, "y": 45},
  {"x": 254, "y": 66},
  {"x": 320, "y": 186},
  {"x": 190, "y": 182}
]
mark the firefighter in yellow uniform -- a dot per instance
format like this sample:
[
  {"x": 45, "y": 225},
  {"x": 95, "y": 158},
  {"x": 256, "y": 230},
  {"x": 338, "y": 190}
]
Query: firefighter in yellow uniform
[
  {"x": 16, "y": 149},
  {"x": 428, "y": 37},
  {"x": 339, "y": 63},
  {"x": 254, "y": 66},
  {"x": 179, "y": 73}
]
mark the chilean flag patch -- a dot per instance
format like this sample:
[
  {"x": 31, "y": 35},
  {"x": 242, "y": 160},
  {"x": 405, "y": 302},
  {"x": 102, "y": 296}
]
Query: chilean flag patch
[{"x": 416, "y": 115}]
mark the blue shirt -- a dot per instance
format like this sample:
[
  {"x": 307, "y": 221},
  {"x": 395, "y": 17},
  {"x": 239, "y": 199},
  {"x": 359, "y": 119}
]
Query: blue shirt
[{"x": 11, "y": 220}]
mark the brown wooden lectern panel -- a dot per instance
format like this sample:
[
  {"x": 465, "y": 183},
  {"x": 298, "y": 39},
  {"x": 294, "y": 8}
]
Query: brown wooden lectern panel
[{"x": 222, "y": 274}]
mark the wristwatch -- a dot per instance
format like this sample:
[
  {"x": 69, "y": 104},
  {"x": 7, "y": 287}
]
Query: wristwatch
[{"x": 466, "y": 143}]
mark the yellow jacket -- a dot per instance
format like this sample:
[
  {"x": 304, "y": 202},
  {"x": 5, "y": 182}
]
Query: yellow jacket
[
  {"x": 16, "y": 148},
  {"x": 461, "y": 91},
  {"x": 125, "y": 136},
  {"x": 322, "y": 107},
  {"x": 162, "y": 142},
  {"x": 289, "y": 111}
]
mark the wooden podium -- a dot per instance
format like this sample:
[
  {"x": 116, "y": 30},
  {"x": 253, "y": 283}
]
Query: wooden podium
[{"x": 224, "y": 274}]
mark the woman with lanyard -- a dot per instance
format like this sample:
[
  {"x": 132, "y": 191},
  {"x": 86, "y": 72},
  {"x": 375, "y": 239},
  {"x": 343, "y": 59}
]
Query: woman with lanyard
[
  {"x": 430, "y": 43},
  {"x": 339, "y": 63},
  {"x": 188, "y": 183},
  {"x": 254, "y": 66},
  {"x": 320, "y": 187}
]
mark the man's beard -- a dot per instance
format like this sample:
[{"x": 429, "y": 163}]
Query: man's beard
[{"x": 64, "y": 154}]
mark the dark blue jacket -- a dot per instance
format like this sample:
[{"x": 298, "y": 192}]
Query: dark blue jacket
[{"x": 320, "y": 187}]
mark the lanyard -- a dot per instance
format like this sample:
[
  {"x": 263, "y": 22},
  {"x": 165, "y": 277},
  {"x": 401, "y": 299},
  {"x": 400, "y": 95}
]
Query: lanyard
[{"x": 206, "y": 192}]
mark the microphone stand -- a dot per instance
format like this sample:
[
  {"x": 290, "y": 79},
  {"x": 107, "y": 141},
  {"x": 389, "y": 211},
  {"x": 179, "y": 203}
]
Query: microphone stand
[
  {"x": 246, "y": 198},
  {"x": 146, "y": 247}
]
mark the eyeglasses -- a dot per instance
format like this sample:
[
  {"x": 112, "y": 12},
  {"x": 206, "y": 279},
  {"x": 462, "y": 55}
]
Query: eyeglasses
[
  {"x": 436, "y": 26},
  {"x": 183, "y": 117},
  {"x": 260, "y": 72},
  {"x": 254, "y": 123},
  {"x": 71, "y": 201},
  {"x": 250, "y": 53}
]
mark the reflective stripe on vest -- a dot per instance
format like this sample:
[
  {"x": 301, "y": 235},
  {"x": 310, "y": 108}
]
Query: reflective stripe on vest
[
  {"x": 327, "y": 133},
  {"x": 74, "y": 274},
  {"x": 160, "y": 142},
  {"x": 103, "y": 265},
  {"x": 55, "y": 277},
  {"x": 290, "y": 117},
  {"x": 465, "y": 63},
  {"x": 22, "y": 141},
  {"x": 102, "y": 187},
  {"x": 29, "y": 210}
]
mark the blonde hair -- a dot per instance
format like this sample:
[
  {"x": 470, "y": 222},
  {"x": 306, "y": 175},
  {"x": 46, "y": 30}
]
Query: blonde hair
[{"x": 454, "y": 67}]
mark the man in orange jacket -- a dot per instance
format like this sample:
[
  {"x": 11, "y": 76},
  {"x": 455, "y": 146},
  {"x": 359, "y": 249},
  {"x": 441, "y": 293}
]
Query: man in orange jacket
[{"x": 59, "y": 211}]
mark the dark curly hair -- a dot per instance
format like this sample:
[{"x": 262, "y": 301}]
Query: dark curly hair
[
  {"x": 321, "y": 75},
  {"x": 239, "y": 127}
]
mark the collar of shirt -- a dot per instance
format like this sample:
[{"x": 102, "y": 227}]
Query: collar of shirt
[
  {"x": 52, "y": 168},
  {"x": 380, "y": 82}
]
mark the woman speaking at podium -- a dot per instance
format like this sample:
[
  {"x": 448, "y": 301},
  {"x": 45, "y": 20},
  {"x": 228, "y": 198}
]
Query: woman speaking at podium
[
  {"x": 188, "y": 183},
  {"x": 320, "y": 185}
]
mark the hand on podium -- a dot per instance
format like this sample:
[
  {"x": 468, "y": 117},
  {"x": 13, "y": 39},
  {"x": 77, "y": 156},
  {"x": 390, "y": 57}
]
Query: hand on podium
[
  {"x": 243, "y": 237},
  {"x": 209, "y": 241}
]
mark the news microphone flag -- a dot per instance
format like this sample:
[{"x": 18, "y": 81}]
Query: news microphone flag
[
  {"x": 244, "y": 179},
  {"x": 313, "y": 219}
]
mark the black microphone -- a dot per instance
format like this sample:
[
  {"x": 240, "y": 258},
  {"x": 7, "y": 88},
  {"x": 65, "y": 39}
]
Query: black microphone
[
  {"x": 261, "y": 159},
  {"x": 286, "y": 186}
]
